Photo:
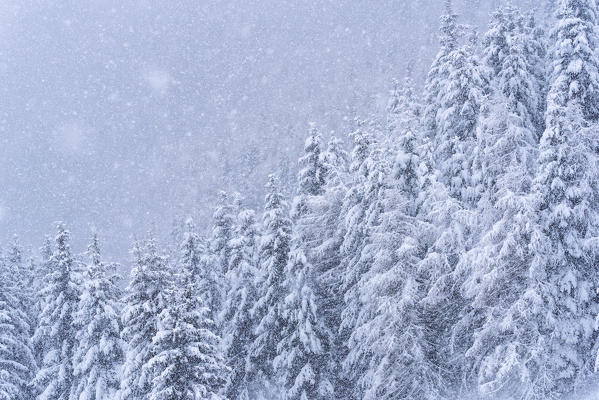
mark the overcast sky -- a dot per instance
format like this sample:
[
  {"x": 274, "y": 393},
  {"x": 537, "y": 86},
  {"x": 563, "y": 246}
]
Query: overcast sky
[{"x": 121, "y": 115}]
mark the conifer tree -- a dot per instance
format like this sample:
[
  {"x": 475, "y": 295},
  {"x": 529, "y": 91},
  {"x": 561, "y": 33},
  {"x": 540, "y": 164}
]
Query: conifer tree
[
  {"x": 438, "y": 73},
  {"x": 17, "y": 363},
  {"x": 540, "y": 332},
  {"x": 302, "y": 352},
  {"x": 195, "y": 257},
  {"x": 273, "y": 256},
  {"x": 389, "y": 341},
  {"x": 144, "y": 301},
  {"x": 495, "y": 270},
  {"x": 404, "y": 111},
  {"x": 238, "y": 332},
  {"x": 575, "y": 65},
  {"x": 186, "y": 362},
  {"x": 219, "y": 255},
  {"x": 326, "y": 255},
  {"x": 99, "y": 353},
  {"x": 55, "y": 333}
]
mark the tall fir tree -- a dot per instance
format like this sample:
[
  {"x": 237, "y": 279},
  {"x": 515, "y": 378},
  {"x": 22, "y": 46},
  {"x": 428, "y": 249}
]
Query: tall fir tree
[
  {"x": 302, "y": 351},
  {"x": 219, "y": 254},
  {"x": 437, "y": 75},
  {"x": 186, "y": 360},
  {"x": 494, "y": 272},
  {"x": 575, "y": 67},
  {"x": 389, "y": 341},
  {"x": 100, "y": 352},
  {"x": 144, "y": 301},
  {"x": 17, "y": 362},
  {"x": 326, "y": 255},
  {"x": 273, "y": 256},
  {"x": 56, "y": 333},
  {"x": 238, "y": 331}
]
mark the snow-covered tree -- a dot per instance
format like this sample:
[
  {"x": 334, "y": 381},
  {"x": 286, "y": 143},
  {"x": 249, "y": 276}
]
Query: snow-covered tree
[
  {"x": 195, "y": 257},
  {"x": 219, "y": 255},
  {"x": 21, "y": 275},
  {"x": 144, "y": 301},
  {"x": 438, "y": 73},
  {"x": 302, "y": 351},
  {"x": 238, "y": 323},
  {"x": 494, "y": 272},
  {"x": 273, "y": 255},
  {"x": 56, "y": 332},
  {"x": 186, "y": 361},
  {"x": 99, "y": 353},
  {"x": 389, "y": 341},
  {"x": 536, "y": 340},
  {"x": 326, "y": 254},
  {"x": 575, "y": 69},
  {"x": 457, "y": 118},
  {"x": 404, "y": 111},
  {"x": 17, "y": 363},
  {"x": 301, "y": 359}
]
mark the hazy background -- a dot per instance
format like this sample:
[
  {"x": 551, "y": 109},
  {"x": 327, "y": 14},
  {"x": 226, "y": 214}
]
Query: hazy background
[{"x": 121, "y": 116}]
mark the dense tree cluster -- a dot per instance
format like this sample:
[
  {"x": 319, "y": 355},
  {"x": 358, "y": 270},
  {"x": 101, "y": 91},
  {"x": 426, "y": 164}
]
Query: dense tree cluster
[{"x": 453, "y": 250}]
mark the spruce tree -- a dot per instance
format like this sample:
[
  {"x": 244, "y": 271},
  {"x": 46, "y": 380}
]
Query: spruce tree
[
  {"x": 575, "y": 65},
  {"x": 100, "y": 353},
  {"x": 302, "y": 351},
  {"x": 495, "y": 270},
  {"x": 195, "y": 257},
  {"x": 389, "y": 341},
  {"x": 144, "y": 301},
  {"x": 186, "y": 362},
  {"x": 17, "y": 362},
  {"x": 326, "y": 255},
  {"x": 438, "y": 73},
  {"x": 273, "y": 256},
  {"x": 238, "y": 331},
  {"x": 56, "y": 332},
  {"x": 219, "y": 255}
]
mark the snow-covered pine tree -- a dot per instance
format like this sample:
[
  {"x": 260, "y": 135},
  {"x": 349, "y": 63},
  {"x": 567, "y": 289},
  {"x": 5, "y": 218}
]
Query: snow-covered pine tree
[
  {"x": 100, "y": 352},
  {"x": 24, "y": 273},
  {"x": 575, "y": 64},
  {"x": 273, "y": 255},
  {"x": 238, "y": 323},
  {"x": 326, "y": 255},
  {"x": 186, "y": 362},
  {"x": 352, "y": 237},
  {"x": 535, "y": 50},
  {"x": 404, "y": 111},
  {"x": 494, "y": 272},
  {"x": 437, "y": 75},
  {"x": 460, "y": 98},
  {"x": 389, "y": 341},
  {"x": 544, "y": 338},
  {"x": 302, "y": 352},
  {"x": 144, "y": 301},
  {"x": 194, "y": 256},
  {"x": 17, "y": 363},
  {"x": 219, "y": 255},
  {"x": 55, "y": 333}
]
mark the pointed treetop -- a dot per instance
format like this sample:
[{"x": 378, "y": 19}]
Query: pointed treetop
[{"x": 449, "y": 28}]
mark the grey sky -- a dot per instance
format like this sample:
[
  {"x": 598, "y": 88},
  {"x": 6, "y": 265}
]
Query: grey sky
[{"x": 121, "y": 115}]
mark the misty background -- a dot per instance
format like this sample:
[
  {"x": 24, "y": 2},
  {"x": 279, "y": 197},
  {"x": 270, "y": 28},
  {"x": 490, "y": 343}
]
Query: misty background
[{"x": 124, "y": 116}]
